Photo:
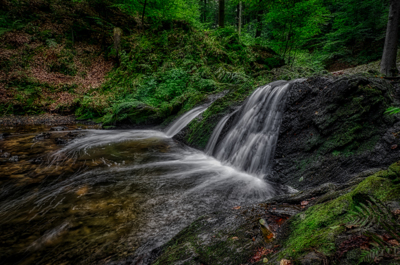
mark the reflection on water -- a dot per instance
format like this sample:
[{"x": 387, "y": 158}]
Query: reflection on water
[{"x": 108, "y": 195}]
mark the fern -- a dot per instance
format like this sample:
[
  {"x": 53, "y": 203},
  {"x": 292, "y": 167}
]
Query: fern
[
  {"x": 375, "y": 214},
  {"x": 392, "y": 110}
]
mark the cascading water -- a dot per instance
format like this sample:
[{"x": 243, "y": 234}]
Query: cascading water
[
  {"x": 212, "y": 142},
  {"x": 250, "y": 143},
  {"x": 186, "y": 118}
]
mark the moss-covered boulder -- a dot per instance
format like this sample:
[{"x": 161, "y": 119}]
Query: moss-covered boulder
[{"x": 335, "y": 128}]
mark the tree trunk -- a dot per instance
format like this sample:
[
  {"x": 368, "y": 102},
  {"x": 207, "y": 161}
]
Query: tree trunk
[
  {"x": 388, "y": 63},
  {"x": 205, "y": 11},
  {"x": 259, "y": 23},
  {"x": 144, "y": 11},
  {"x": 240, "y": 18},
  {"x": 221, "y": 16}
]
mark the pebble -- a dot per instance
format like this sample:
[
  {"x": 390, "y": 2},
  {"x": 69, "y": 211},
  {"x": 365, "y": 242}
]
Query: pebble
[
  {"x": 13, "y": 159},
  {"x": 5, "y": 155}
]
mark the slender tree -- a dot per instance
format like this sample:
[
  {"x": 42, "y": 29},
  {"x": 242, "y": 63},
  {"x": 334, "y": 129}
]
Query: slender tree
[
  {"x": 144, "y": 12},
  {"x": 388, "y": 63},
  {"x": 221, "y": 14},
  {"x": 239, "y": 18}
]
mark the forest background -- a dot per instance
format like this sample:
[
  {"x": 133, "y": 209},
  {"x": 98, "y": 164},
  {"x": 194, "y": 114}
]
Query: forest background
[{"x": 142, "y": 62}]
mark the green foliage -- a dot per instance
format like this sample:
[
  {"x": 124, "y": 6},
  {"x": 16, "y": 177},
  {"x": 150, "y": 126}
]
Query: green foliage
[
  {"x": 171, "y": 70},
  {"x": 319, "y": 226},
  {"x": 159, "y": 10},
  {"x": 369, "y": 214},
  {"x": 357, "y": 28},
  {"x": 392, "y": 110}
]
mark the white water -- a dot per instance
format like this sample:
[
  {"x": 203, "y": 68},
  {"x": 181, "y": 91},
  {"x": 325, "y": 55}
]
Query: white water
[
  {"x": 250, "y": 143},
  {"x": 186, "y": 118},
  {"x": 212, "y": 142}
]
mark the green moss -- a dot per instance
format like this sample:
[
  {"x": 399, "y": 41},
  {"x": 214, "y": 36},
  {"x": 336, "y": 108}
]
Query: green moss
[{"x": 319, "y": 225}]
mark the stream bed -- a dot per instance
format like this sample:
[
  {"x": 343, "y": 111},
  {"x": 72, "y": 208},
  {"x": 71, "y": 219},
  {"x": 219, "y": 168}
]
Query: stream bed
[{"x": 104, "y": 195}]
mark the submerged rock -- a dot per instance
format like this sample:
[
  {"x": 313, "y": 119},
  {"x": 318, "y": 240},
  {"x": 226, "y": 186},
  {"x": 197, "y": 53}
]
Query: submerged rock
[
  {"x": 13, "y": 159},
  {"x": 41, "y": 137},
  {"x": 58, "y": 128},
  {"x": 60, "y": 141},
  {"x": 5, "y": 155},
  {"x": 4, "y": 135}
]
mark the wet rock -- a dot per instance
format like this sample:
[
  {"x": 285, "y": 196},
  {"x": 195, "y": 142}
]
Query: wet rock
[
  {"x": 13, "y": 159},
  {"x": 37, "y": 160},
  {"x": 58, "y": 128},
  {"x": 334, "y": 128},
  {"x": 61, "y": 141},
  {"x": 312, "y": 258},
  {"x": 41, "y": 137},
  {"x": 4, "y": 135},
  {"x": 5, "y": 155}
]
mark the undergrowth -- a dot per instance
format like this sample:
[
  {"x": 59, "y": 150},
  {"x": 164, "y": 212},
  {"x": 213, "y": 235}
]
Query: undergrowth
[{"x": 319, "y": 226}]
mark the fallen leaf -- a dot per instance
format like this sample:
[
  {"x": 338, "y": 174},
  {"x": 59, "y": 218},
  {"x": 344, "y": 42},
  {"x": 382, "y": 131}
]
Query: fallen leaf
[
  {"x": 236, "y": 207},
  {"x": 396, "y": 212},
  {"x": 394, "y": 242},
  {"x": 364, "y": 247},
  {"x": 304, "y": 203},
  {"x": 254, "y": 239},
  {"x": 260, "y": 253},
  {"x": 235, "y": 238},
  {"x": 285, "y": 262},
  {"x": 394, "y": 146},
  {"x": 265, "y": 260}
]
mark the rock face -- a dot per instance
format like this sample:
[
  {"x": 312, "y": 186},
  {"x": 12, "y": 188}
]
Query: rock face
[{"x": 333, "y": 129}]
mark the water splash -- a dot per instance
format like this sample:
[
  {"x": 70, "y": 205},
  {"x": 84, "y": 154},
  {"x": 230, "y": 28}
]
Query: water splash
[{"x": 181, "y": 123}]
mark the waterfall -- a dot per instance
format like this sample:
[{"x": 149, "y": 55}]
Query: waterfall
[
  {"x": 250, "y": 143},
  {"x": 212, "y": 142},
  {"x": 186, "y": 118}
]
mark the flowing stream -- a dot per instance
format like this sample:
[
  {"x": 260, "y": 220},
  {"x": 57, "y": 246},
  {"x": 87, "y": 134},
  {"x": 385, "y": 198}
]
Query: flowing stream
[{"x": 108, "y": 195}]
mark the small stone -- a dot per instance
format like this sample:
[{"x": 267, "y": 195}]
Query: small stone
[
  {"x": 5, "y": 155},
  {"x": 60, "y": 141},
  {"x": 58, "y": 128},
  {"x": 13, "y": 159},
  {"x": 41, "y": 137}
]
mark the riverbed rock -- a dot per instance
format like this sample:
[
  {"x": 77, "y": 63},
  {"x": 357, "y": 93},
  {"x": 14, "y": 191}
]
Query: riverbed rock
[
  {"x": 61, "y": 141},
  {"x": 41, "y": 137},
  {"x": 58, "y": 128},
  {"x": 4, "y": 135},
  {"x": 5, "y": 155},
  {"x": 13, "y": 159}
]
